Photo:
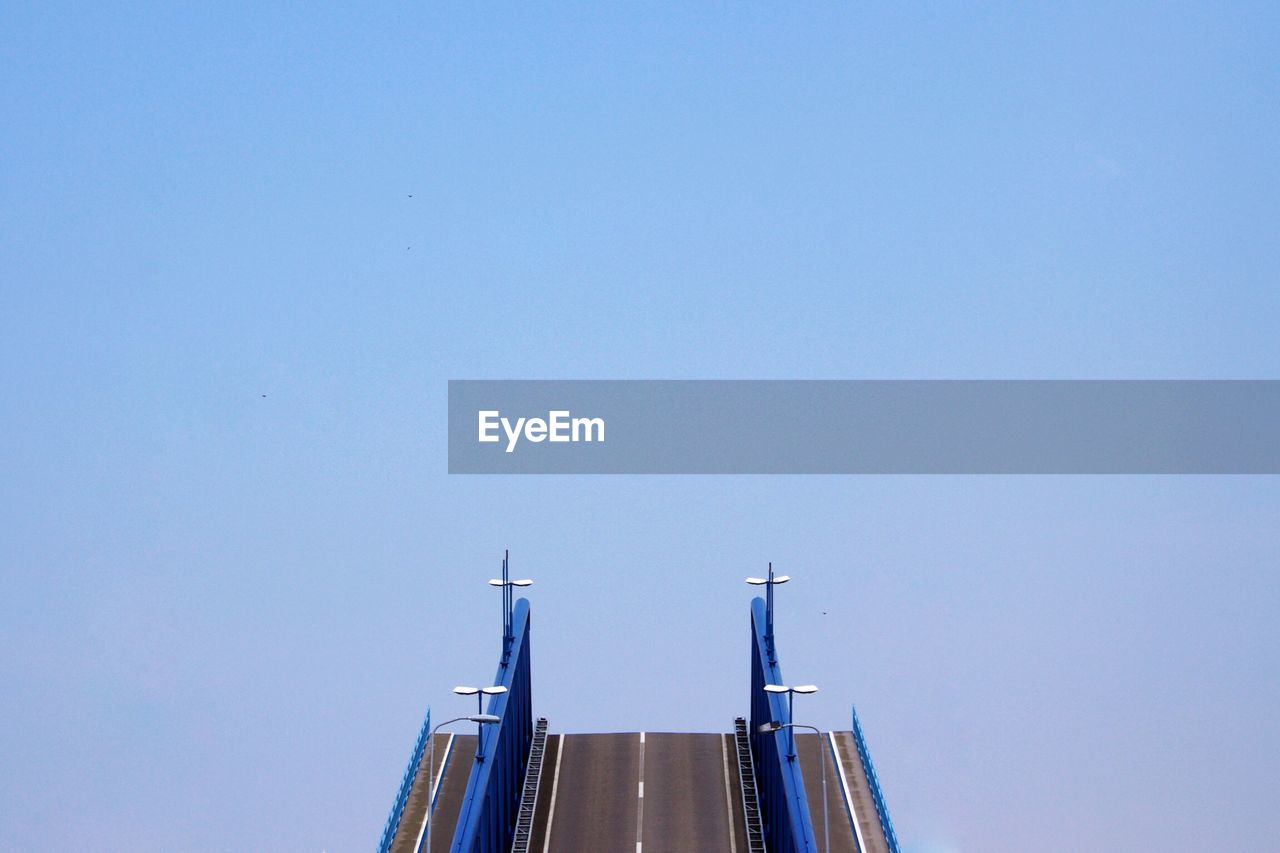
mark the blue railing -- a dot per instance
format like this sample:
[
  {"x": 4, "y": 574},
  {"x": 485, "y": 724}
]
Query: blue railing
[
  {"x": 784, "y": 808},
  {"x": 406, "y": 784},
  {"x": 877, "y": 796},
  {"x": 486, "y": 822}
]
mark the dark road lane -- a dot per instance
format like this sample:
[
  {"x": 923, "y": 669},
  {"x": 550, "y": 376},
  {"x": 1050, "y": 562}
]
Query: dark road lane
[
  {"x": 449, "y": 799},
  {"x": 597, "y": 794},
  {"x": 687, "y": 799}
]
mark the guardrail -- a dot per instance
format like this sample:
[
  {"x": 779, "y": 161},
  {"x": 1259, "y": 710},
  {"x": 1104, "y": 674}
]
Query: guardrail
[
  {"x": 877, "y": 796},
  {"x": 410, "y": 773},
  {"x": 486, "y": 821},
  {"x": 784, "y": 807}
]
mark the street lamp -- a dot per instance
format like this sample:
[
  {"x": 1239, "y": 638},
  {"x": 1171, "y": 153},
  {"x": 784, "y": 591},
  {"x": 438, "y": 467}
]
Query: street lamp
[
  {"x": 480, "y": 693},
  {"x": 507, "y": 592},
  {"x": 480, "y": 719},
  {"x": 775, "y": 726},
  {"x": 791, "y": 699},
  {"x": 769, "y": 583}
]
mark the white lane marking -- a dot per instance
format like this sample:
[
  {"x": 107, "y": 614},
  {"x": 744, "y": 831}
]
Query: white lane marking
[
  {"x": 555, "y": 786},
  {"x": 848, "y": 798},
  {"x": 444, "y": 762},
  {"x": 434, "y": 793},
  {"x": 640, "y": 800},
  {"x": 728, "y": 800}
]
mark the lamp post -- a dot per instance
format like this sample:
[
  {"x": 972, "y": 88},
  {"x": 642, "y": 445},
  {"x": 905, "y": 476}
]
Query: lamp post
[
  {"x": 769, "y": 583},
  {"x": 775, "y": 726},
  {"x": 479, "y": 719},
  {"x": 507, "y": 593},
  {"x": 480, "y": 693},
  {"x": 791, "y": 692}
]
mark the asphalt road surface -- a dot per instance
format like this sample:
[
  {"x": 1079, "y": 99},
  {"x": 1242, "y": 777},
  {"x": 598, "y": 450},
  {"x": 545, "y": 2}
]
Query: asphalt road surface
[
  {"x": 448, "y": 801},
  {"x": 652, "y": 793},
  {"x": 869, "y": 828},
  {"x": 815, "y": 760},
  {"x": 633, "y": 793}
]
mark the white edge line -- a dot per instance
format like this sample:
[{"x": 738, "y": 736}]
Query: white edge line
[
  {"x": 640, "y": 800},
  {"x": 728, "y": 798},
  {"x": 555, "y": 786},
  {"x": 444, "y": 762},
  {"x": 435, "y": 790},
  {"x": 848, "y": 798}
]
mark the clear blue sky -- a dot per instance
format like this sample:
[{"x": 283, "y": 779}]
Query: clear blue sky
[{"x": 233, "y": 571}]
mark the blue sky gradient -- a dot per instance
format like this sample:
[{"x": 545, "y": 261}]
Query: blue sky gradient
[{"x": 242, "y": 251}]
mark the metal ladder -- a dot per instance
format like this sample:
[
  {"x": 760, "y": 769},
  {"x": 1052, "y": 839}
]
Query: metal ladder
[
  {"x": 747, "y": 781},
  {"x": 529, "y": 797}
]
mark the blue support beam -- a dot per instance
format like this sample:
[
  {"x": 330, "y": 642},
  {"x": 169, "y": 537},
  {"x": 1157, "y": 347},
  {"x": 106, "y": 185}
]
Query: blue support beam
[
  {"x": 486, "y": 822},
  {"x": 784, "y": 807}
]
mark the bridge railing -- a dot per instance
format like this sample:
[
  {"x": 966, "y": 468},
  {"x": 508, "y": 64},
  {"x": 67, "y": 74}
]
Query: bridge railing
[
  {"x": 406, "y": 784},
  {"x": 486, "y": 821},
  {"x": 784, "y": 807},
  {"x": 877, "y": 796}
]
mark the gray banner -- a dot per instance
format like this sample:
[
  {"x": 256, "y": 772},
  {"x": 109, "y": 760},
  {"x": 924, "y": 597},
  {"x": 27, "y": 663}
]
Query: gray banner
[{"x": 864, "y": 427}]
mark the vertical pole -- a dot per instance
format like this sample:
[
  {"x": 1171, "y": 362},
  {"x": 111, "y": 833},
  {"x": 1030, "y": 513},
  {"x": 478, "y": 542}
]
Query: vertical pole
[
  {"x": 768, "y": 610},
  {"x": 506, "y": 610},
  {"x": 768, "y": 616},
  {"x": 791, "y": 718},
  {"x": 506, "y": 605}
]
